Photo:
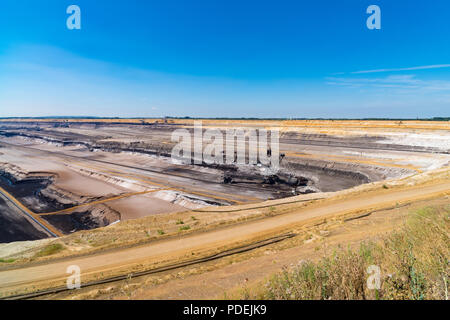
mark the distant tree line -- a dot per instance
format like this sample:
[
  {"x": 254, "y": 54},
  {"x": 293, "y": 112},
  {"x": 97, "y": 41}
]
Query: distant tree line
[{"x": 241, "y": 118}]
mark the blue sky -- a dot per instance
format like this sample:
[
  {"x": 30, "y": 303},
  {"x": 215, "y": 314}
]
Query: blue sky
[{"x": 225, "y": 59}]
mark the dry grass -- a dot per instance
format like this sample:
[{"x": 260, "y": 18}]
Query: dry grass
[{"x": 413, "y": 262}]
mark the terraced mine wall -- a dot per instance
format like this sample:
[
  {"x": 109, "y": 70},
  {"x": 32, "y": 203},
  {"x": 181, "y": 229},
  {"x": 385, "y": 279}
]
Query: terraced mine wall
[
  {"x": 320, "y": 175},
  {"x": 38, "y": 195},
  {"x": 297, "y": 175},
  {"x": 14, "y": 226},
  {"x": 285, "y": 177}
]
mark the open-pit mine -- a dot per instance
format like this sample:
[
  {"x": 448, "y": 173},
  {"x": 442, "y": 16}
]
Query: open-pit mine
[{"x": 62, "y": 176}]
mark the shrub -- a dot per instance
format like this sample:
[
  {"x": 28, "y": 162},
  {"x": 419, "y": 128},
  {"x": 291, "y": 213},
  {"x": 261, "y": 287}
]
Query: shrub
[{"x": 183, "y": 228}]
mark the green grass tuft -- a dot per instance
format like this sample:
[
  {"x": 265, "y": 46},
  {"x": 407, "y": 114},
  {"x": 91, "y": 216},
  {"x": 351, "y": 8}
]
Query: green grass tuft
[
  {"x": 7, "y": 260},
  {"x": 50, "y": 249},
  {"x": 183, "y": 228}
]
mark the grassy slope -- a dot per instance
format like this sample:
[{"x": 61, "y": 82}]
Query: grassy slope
[{"x": 414, "y": 263}]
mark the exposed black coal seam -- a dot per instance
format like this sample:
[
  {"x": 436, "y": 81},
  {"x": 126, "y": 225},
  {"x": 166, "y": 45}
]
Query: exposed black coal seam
[
  {"x": 162, "y": 153},
  {"x": 138, "y": 168},
  {"x": 30, "y": 216}
]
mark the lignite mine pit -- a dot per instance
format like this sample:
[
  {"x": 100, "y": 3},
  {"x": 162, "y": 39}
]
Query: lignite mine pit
[{"x": 81, "y": 174}]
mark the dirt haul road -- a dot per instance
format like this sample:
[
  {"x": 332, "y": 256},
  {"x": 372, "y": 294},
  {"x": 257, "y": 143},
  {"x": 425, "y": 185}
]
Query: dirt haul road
[{"x": 176, "y": 250}]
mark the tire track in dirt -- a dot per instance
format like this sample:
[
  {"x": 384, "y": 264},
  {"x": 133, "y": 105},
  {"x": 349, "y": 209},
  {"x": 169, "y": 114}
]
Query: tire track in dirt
[{"x": 174, "y": 249}]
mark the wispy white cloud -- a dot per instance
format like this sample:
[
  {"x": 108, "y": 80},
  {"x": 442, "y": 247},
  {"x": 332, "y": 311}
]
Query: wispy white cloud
[
  {"x": 402, "y": 82},
  {"x": 434, "y": 66}
]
